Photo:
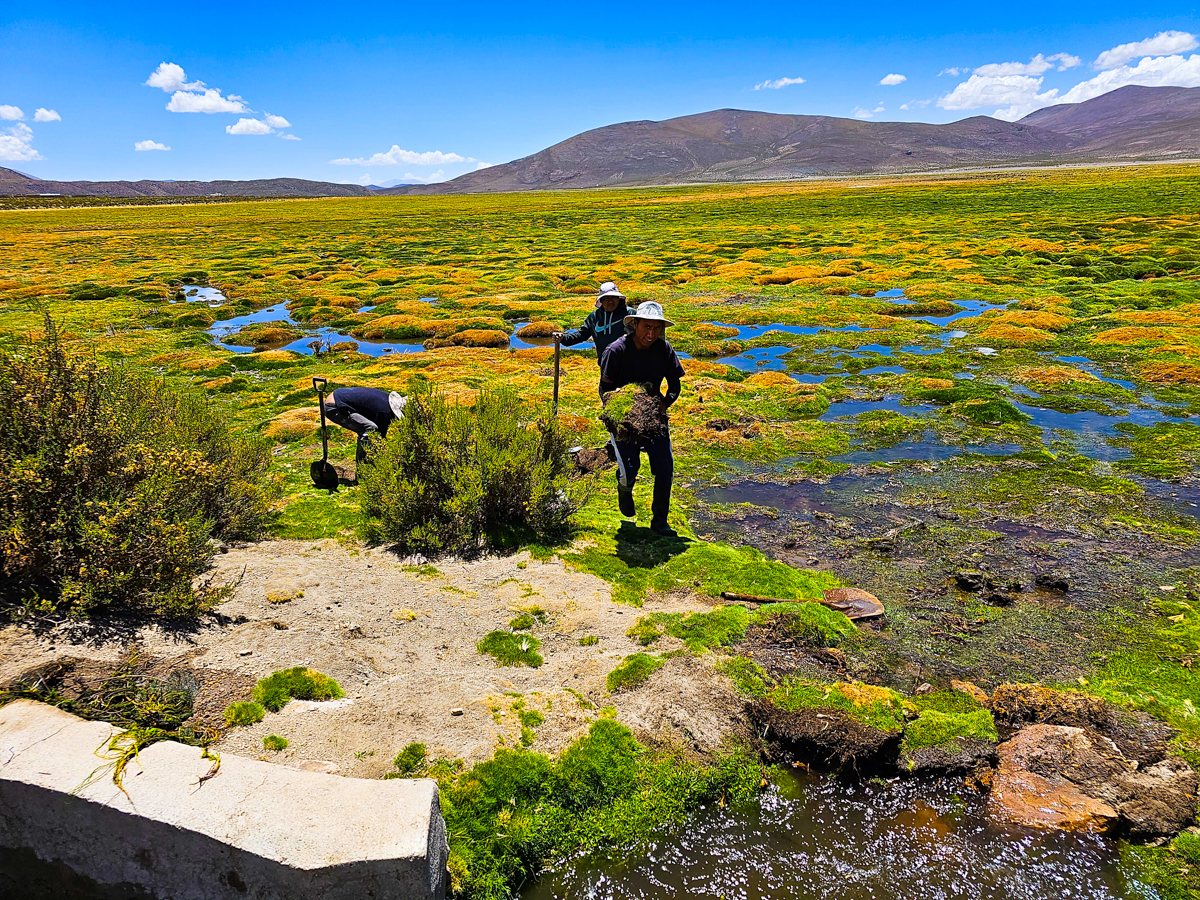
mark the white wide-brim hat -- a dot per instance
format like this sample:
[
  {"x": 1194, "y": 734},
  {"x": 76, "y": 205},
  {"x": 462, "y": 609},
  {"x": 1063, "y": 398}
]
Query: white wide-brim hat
[
  {"x": 609, "y": 289},
  {"x": 650, "y": 311},
  {"x": 397, "y": 403}
]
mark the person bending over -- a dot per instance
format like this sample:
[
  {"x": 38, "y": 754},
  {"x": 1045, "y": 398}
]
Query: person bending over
[
  {"x": 604, "y": 324},
  {"x": 643, "y": 355},
  {"x": 365, "y": 411}
]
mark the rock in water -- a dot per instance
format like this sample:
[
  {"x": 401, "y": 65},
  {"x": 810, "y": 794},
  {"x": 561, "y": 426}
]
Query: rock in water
[
  {"x": 1060, "y": 776},
  {"x": 634, "y": 413},
  {"x": 855, "y": 603}
]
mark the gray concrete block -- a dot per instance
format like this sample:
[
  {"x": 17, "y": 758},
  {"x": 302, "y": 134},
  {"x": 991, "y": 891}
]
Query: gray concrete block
[{"x": 254, "y": 830}]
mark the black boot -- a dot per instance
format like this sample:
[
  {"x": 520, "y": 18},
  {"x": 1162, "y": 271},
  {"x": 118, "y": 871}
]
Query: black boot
[{"x": 625, "y": 502}]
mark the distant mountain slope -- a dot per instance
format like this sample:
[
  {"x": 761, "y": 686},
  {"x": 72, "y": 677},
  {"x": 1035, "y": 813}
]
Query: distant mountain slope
[
  {"x": 1133, "y": 120},
  {"x": 740, "y": 145},
  {"x": 13, "y": 183}
]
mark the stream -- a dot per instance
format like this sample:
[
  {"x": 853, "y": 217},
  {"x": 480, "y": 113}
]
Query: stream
[{"x": 814, "y": 837}]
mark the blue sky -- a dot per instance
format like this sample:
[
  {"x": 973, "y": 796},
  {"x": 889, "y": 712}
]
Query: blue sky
[{"x": 428, "y": 91}]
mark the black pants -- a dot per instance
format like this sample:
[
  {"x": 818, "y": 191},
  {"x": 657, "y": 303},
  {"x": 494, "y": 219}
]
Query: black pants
[
  {"x": 662, "y": 467},
  {"x": 356, "y": 422}
]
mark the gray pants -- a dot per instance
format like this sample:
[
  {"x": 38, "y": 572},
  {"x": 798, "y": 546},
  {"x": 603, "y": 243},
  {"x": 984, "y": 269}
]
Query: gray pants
[{"x": 352, "y": 421}]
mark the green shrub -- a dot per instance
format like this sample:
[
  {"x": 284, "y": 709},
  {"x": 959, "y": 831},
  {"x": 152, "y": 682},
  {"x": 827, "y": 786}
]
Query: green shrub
[
  {"x": 244, "y": 713},
  {"x": 632, "y": 672},
  {"x": 116, "y": 484},
  {"x": 456, "y": 479},
  {"x": 511, "y": 649},
  {"x": 274, "y": 742},
  {"x": 589, "y": 640},
  {"x": 409, "y": 760},
  {"x": 523, "y": 622},
  {"x": 299, "y": 683}
]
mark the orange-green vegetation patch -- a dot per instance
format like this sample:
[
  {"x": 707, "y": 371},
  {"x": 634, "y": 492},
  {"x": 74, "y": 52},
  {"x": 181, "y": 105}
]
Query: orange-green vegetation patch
[
  {"x": 1157, "y": 317},
  {"x": 272, "y": 359},
  {"x": 1176, "y": 350},
  {"x": 1051, "y": 303},
  {"x": 201, "y": 363},
  {"x": 1033, "y": 245},
  {"x": 1171, "y": 373},
  {"x": 293, "y": 424},
  {"x": 1132, "y": 334},
  {"x": 472, "y": 337},
  {"x": 790, "y": 274},
  {"x": 936, "y": 384},
  {"x": 1050, "y": 376},
  {"x": 714, "y": 332},
  {"x": 1001, "y": 333},
  {"x": 540, "y": 329},
  {"x": 1040, "y": 319}
]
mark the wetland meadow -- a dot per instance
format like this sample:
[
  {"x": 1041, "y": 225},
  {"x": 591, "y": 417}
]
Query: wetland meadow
[{"x": 974, "y": 396}]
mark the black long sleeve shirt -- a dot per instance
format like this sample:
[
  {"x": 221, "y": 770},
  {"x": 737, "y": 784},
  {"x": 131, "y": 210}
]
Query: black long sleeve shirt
[{"x": 623, "y": 363}]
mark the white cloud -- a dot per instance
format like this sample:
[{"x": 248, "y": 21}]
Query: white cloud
[
  {"x": 277, "y": 121},
  {"x": 170, "y": 77},
  {"x": 437, "y": 176},
  {"x": 916, "y": 104},
  {"x": 1065, "y": 61},
  {"x": 248, "y": 126},
  {"x": 210, "y": 101},
  {"x": 11, "y": 113},
  {"x": 953, "y": 70},
  {"x": 893, "y": 79},
  {"x": 150, "y": 145},
  {"x": 482, "y": 165},
  {"x": 1157, "y": 71},
  {"x": 46, "y": 115},
  {"x": 289, "y": 137},
  {"x": 395, "y": 156},
  {"x": 1163, "y": 43},
  {"x": 777, "y": 83},
  {"x": 15, "y": 144},
  {"x": 1035, "y": 66},
  {"x": 1019, "y": 92},
  {"x": 860, "y": 113}
]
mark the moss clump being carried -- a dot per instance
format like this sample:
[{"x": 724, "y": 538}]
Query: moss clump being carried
[
  {"x": 244, "y": 713},
  {"x": 511, "y": 649},
  {"x": 116, "y": 484},
  {"x": 275, "y": 742},
  {"x": 513, "y": 815},
  {"x": 299, "y": 683},
  {"x": 457, "y": 479},
  {"x": 634, "y": 413},
  {"x": 633, "y": 671}
]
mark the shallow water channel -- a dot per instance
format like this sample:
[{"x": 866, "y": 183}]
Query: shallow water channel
[{"x": 815, "y": 837}]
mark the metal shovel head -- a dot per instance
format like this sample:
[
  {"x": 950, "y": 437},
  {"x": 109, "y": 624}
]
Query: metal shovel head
[{"x": 323, "y": 474}]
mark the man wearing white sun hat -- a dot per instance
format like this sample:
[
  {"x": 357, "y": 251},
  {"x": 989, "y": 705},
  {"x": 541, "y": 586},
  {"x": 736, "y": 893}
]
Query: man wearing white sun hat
[
  {"x": 603, "y": 325},
  {"x": 643, "y": 356},
  {"x": 365, "y": 411}
]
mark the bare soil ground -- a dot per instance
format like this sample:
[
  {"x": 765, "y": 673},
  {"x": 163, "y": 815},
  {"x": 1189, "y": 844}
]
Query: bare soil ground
[{"x": 400, "y": 639}]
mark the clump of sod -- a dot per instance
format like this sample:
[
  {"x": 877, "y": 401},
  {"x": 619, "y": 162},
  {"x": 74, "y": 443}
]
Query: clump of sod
[
  {"x": 632, "y": 672},
  {"x": 299, "y": 683},
  {"x": 244, "y": 712},
  {"x": 634, "y": 413},
  {"x": 511, "y": 649}
]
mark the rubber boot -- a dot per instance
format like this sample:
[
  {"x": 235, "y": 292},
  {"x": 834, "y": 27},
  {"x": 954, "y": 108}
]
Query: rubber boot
[{"x": 625, "y": 502}]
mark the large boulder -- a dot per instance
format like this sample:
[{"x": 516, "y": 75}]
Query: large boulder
[{"x": 1062, "y": 776}]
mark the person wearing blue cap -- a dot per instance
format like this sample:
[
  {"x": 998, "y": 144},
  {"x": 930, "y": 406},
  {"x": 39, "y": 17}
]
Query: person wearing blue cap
[
  {"x": 603, "y": 325},
  {"x": 643, "y": 356}
]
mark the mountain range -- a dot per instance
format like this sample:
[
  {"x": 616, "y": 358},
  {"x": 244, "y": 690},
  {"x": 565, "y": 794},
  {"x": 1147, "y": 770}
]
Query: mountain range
[{"x": 732, "y": 145}]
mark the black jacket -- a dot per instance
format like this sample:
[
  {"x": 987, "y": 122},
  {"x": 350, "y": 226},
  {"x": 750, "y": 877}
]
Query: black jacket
[{"x": 600, "y": 326}]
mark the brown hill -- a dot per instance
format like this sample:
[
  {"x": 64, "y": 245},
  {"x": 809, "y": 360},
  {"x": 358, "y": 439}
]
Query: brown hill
[
  {"x": 13, "y": 183},
  {"x": 1131, "y": 121}
]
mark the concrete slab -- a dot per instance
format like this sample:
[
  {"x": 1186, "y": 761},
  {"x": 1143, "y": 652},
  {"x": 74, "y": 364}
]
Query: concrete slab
[{"x": 252, "y": 829}]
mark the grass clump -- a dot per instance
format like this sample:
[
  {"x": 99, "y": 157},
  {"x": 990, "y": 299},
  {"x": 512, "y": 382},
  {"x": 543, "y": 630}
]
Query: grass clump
[
  {"x": 747, "y": 676},
  {"x": 589, "y": 640},
  {"x": 116, "y": 484},
  {"x": 409, "y": 761},
  {"x": 816, "y": 624},
  {"x": 458, "y": 479},
  {"x": 511, "y": 649},
  {"x": 877, "y": 707},
  {"x": 299, "y": 683},
  {"x": 523, "y": 622},
  {"x": 244, "y": 712},
  {"x": 633, "y": 671},
  {"x": 939, "y": 729},
  {"x": 513, "y": 815},
  {"x": 275, "y": 742},
  {"x": 948, "y": 702}
]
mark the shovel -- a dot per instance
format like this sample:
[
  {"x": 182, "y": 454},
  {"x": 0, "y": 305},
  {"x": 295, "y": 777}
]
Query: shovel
[{"x": 322, "y": 472}]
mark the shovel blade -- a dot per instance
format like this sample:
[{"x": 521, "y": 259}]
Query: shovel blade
[{"x": 323, "y": 475}]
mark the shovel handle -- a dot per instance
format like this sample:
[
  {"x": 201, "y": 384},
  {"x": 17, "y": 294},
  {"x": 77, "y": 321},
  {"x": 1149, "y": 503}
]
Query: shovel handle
[
  {"x": 319, "y": 385},
  {"x": 557, "y": 358}
]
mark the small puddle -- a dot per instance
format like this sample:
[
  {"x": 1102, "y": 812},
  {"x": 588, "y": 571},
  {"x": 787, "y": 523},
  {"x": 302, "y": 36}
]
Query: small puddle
[
  {"x": 815, "y": 837},
  {"x": 890, "y": 402},
  {"x": 322, "y": 338},
  {"x": 927, "y": 449},
  {"x": 197, "y": 294}
]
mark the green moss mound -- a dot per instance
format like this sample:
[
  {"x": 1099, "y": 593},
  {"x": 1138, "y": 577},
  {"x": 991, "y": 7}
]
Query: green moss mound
[
  {"x": 876, "y": 707},
  {"x": 511, "y": 649},
  {"x": 275, "y": 742},
  {"x": 939, "y": 729},
  {"x": 635, "y": 670},
  {"x": 299, "y": 683},
  {"x": 816, "y": 624},
  {"x": 409, "y": 761},
  {"x": 244, "y": 713}
]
